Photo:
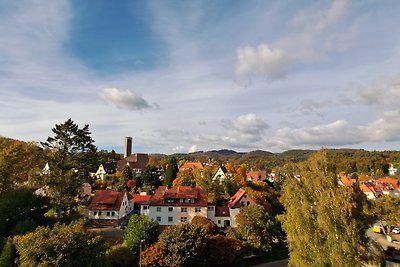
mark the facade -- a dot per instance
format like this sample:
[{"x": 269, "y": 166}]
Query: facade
[
  {"x": 110, "y": 205},
  {"x": 175, "y": 205},
  {"x": 221, "y": 174}
]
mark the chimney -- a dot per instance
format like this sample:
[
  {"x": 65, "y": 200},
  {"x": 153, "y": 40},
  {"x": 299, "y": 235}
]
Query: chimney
[{"x": 128, "y": 146}]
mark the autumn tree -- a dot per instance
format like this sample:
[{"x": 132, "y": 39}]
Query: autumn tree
[
  {"x": 324, "y": 222},
  {"x": 62, "y": 245},
  {"x": 185, "y": 178},
  {"x": 223, "y": 251},
  {"x": 207, "y": 224},
  {"x": 183, "y": 245},
  {"x": 255, "y": 228},
  {"x": 386, "y": 208},
  {"x": 141, "y": 230},
  {"x": 171, "y": 171}
]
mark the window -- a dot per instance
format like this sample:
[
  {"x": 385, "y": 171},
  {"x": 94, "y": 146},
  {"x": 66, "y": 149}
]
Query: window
[
  {"x": 113, "y": 213},
  {"x": 197, "y": 209},
  {"x": 145, "y": 207},
  {"x": 242, "y": 203},
  {"x": 170, "y": 219},
  {"x": 99, "y": 213},
  {"x": 108, "y": 213},
  {"x": 170, "y": 209},
  {"x": 158, "y": 219},
  {"x": 183, "y": 209},
  {"x": 183, "y": 219},
  {"x": 219, "y": 221},
  {"x": 158, "y": 209},
  {"x": 95, "y": 213},
  {"x": 248, "y": 203},
  {"x": 210, "y": 208}
]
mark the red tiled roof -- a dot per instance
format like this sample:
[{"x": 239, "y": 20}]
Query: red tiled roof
[
  {"x": 140, "y": 200},
  {"x": 222, "y": 211},
  {"x": 389, "y": 182},
  {"x": 257, "y": 175},
  {"x": 191, "y": 166},
  {"x": 176, "y": 193},
  {"x": 347, "y": 180},
  {"x": 234, "y": 199},
  {"x": 107, "y": 200}
]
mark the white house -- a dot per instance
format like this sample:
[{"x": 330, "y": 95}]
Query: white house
[
  {"x": 110, "y": 205},
  {"x": 392, "y": 170},
  {"x": 220, "y": 174}
]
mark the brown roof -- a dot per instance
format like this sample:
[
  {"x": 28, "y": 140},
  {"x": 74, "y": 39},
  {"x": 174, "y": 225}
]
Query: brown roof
[
  {"x": 107, "y": 200},
  {"x": 175, "y": 193},
  {"x": 236, "y": 198},
  {"x": 134, "y": 161},
  {"x": 222, "y": 211}
]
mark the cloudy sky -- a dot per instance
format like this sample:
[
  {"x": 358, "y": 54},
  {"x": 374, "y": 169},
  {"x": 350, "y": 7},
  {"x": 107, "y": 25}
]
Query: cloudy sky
[{"x": 182, "y": 76}]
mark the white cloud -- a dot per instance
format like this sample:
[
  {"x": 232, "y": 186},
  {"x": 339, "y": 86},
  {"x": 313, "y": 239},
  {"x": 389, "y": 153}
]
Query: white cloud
[
  {"x": 124, "y": 99},
  {"x": 385, "y": 94},
  {"x": 262, "y": 61},
  {"x": 193, "y": 149}
]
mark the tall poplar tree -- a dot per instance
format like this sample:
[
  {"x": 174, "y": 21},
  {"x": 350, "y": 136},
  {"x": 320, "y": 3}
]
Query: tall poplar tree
[
  {"x": 324, "y": 222},
  {"x": 171, "y": 171}
]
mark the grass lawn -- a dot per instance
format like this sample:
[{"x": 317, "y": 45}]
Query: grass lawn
[{"x": 278, "y": 252}]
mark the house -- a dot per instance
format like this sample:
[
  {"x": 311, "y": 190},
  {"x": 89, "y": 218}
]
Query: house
[
  {"x": 392, "y": 170},
  {"x": 345, "y": 180},
  {"x": 221, "y": 174},
  {"x": 109, "y": 167},
  {"x": 370, "y": 190},
  {"x": 46, "y": 169},
  {"x": 222, "y": 217},
  {"x": 388, "y": 186},
  {"x": 142, "y": 202},
  {"x": 108, "y": 207},
  {"x": 256, "y": 176},
  {"x": 240, "y": 200},
  {"x": 177, "y": 204},
  {"x": 137, "y": 162},
  {"x": 191, "y": 166}
]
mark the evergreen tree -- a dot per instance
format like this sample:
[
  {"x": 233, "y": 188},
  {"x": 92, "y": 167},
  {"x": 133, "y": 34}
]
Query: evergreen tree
[
  {"x": 7, "y": 255},
  {"x": 324, "y": 222},
  {"x": 171, "y": 171}
]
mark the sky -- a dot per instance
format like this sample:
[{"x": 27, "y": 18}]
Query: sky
[{"x": 185, "y": 76}]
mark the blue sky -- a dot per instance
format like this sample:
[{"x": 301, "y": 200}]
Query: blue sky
[{"x": 182, "y": 76}]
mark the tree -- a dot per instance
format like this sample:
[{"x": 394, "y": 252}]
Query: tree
[
  {"x": 120, "y": 256},
  {"x": 207, "y": 224},
  {"x": 20, "y": 210},
  {"x": 7, "y": 255},
  {"x": 321, "y": 214},
  {"x": 171, "y": 171},
  {"x": 255, "y": 228},
  {"x": 386, "y": 208},
  {"x": 223, "y": 251},
  {"x": 183, "y": 245},
  {"x": 150, "y": 178},
  {"x": 62, "y": 245},
  {"x": 141, "y": 230},
  {"x": 72, "y": 155},
  {"x": 122, "y": 182},
  {"x": 153, "y": 256},
  {"x": 17, "y": 160},
  {"x": 184, "y": 178}
]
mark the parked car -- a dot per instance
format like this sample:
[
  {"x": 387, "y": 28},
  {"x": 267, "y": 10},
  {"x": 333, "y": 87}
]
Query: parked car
[{"x": 396, "y": 230}]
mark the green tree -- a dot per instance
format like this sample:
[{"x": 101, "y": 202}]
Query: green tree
[
  {"x": 63, "y": 245},
  {"x": 255, "y": 228},
  {"x": 150, "y": 178},
  {"x": 120, "y": 256},
  {"x": 324, "y": 222},
  {"x": 72, "y": 154},
  {"x": 184, "y": 178},
  {"x": 7, "y": 255},
  {"x": 20, "y": 210},
  {"x": 183, "y": 245},
  {"x": 171, "y": 171},
  {"x": 141, "y": 230}
]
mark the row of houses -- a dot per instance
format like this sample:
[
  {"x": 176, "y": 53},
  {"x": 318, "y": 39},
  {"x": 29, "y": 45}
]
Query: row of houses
[
  {"x": 374, "y": 188},
  {"x": 168, "y": 206}
]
